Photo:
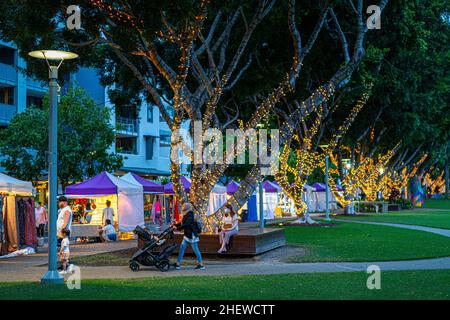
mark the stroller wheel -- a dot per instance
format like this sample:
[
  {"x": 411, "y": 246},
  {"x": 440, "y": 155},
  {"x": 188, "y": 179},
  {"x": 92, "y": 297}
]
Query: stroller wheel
[
  {"x": 163, "y": 265},
  {"x": 134, "y": 266}
]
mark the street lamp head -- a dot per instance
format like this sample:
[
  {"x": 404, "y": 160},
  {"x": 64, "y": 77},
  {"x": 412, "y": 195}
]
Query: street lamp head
[
  {"x": 381, "y": 170},
  {"x": 53, "y": 55}
]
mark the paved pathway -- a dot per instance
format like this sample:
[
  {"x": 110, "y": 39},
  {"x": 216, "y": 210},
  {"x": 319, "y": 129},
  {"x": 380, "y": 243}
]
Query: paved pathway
[
  {"x": 34, "y": 273},
  {"x": 442, "y": 232},
  {"x": 31, "y": 269}
]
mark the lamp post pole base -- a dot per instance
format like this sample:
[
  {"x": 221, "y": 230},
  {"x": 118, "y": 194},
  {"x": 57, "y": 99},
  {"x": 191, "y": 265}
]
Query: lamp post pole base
[{"x": 52, "y": 277}]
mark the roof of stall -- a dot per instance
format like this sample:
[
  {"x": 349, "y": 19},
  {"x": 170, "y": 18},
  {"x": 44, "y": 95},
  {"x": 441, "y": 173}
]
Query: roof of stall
[
  {"x": 15, "y": 186},
  {"x": 321, "y": 187},
  {"x": 149, "y": 186},
  {"x": 102, "y": 184}
]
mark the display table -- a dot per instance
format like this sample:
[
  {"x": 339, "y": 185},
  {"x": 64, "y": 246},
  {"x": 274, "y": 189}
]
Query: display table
[{"x": 84, "y": 230}]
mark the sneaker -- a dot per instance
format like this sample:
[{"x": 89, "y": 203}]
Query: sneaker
[
  {"x": 62, "y": 272},
  {"x": 177, "y": 267},
  {"x": 200, "y": 267}
]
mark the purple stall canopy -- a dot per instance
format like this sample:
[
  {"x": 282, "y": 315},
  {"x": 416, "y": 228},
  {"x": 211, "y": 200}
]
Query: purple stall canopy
[
  {"x": 149, "y": 186},
  {"x": 270, "y": 187},
  {"x": 98, "y": 185},
  {"x": 168, "y": 188},
  {"x": 321, "y": 187},
  {"x": 232, "y": 187}
]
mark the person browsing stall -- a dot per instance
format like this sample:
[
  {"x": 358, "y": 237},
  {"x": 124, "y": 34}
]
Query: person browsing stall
[
  {"x": 107, "y": 232},
  {"x": 108, "y": 213}
]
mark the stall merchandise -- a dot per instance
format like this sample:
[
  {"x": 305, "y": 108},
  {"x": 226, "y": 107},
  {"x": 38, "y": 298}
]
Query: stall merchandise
[
  {"x": 153, "y": 208},
  {"x": 126, "y": 199},
  {"x": 17, "y": 223}
]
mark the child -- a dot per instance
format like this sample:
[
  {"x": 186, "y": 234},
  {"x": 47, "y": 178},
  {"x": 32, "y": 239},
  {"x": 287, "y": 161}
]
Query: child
[{"x": 64, "y": 252}]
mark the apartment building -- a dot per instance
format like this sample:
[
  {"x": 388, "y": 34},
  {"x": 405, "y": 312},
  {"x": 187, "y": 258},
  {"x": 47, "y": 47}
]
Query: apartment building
[{"x": 142, "y": 136}]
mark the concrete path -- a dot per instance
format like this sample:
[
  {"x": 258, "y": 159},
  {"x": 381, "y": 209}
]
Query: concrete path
[
  {"x": 34, "y": 273},
  {"x": 442, "y": 232}
]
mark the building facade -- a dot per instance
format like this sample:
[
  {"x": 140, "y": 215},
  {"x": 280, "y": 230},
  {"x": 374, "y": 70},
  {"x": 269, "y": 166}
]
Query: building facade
[{"x": 142, "y": 136}]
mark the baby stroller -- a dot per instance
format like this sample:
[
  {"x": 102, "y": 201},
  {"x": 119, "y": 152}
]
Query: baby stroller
[{"x": 146, "y": 256}]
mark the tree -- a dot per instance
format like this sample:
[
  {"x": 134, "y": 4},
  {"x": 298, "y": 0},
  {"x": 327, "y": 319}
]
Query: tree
[{"x": 84, "y": 138}]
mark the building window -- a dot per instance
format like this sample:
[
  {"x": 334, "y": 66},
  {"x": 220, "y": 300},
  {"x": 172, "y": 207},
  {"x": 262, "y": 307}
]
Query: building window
[
  {"x": 34, "y": 101},
  {"x": 164, "y": 138},
  {"x": 149, "y": 142},
  {"x": 7, "y": 95},
  {"x": 7, "y": 55},
  {"x": 150, "y": 114},
  {"x": 126, "y": 145}
]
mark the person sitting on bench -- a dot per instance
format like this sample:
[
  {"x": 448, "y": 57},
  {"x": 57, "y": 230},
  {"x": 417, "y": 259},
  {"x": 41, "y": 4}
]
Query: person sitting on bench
[
  {"x": 230, "y": 227},
  {"x": 108, "y": 233}
]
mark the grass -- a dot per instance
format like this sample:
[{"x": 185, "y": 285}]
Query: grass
[
  {"x": 346, "y": 241},
  {"x": 439, "y": 219},
  {"x": 437, "y": 204},
  {"x": 430, "y": 284}
]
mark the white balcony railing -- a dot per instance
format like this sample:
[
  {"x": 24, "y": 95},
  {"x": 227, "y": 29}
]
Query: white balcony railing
[
  {"x": 127, "y": 125},
  {"x": 8, "y": 74}
]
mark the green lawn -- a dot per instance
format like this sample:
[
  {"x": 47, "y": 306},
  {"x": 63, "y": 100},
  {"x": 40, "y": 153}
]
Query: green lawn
[
  {"x": 439, "y": 219},
  {"x": 346, "y": 241},
  {"x": 432, "y": 284},
  {"x": 437, "y": 204}
]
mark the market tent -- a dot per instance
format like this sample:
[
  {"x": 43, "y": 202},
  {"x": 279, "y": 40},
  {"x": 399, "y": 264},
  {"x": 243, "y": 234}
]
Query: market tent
[
  {"x": 15, "y": 186},
  {"x": 168, "y": 188},
  {"x": 217, "y": 198},
  {"x": 232, "y": 187},
  {"x": 320, "y": 198},
  {"x": 148, "y": 186},
  {"x": 271, "y": 187},
  {"x": 130, "y": 200},
  {"x": 271, "y": 195}
]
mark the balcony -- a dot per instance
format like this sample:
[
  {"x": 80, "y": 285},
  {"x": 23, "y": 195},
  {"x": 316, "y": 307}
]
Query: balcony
[
  {"x": 7, "y": 112},
  {"x": 8, "y": 74},
  {"x": 35, "y": 85},
  {"x": 127, "y": 127}
]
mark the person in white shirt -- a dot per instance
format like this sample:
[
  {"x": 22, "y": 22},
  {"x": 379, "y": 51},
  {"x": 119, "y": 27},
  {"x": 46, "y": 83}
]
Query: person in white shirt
[
  {"x": 230, "y": 227},
  {"x": 108, "y": 233},
  {"x": 64, "y": 217},
  {"x": 108, "y": 213},
  {"x": 64, "y": 251}
]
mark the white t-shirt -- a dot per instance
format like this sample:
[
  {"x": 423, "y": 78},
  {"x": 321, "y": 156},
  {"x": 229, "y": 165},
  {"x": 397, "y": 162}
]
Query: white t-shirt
[
  {"x": 65, "y": 245},
  {"x": 231, "y": 220},
  {"x": 108, "y": 214},
  {"x": 109, "y": 229},
  {"x": 60, "y": 221}
]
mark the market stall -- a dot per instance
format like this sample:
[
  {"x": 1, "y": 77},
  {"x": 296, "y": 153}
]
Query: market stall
[
  {"x": 320, "y": 198},
  {"x": 17, "y": 220},
  {"x": 217, "y": 198},
  {"x": 126, "y": 199},
  {"x": 153, "y": 198},
  {"x": 270, "y": 201}
]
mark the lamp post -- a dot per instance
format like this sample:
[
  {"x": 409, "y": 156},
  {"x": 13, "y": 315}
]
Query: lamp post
[
  {"x": 327, "y": 187},
  {"x": 52, "y": 276}
]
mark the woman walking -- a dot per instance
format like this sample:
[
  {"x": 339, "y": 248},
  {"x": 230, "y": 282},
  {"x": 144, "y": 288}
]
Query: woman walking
[
  {"x": 230, "y": 227},
  {"x": 190, "y": 236}
]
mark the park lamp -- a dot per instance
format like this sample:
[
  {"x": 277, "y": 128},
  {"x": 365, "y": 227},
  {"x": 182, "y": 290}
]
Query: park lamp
[
  {"x": 347, "y": 163},
  {"x": 381, "y": 170},
  {"x": 52, "y": 276}
]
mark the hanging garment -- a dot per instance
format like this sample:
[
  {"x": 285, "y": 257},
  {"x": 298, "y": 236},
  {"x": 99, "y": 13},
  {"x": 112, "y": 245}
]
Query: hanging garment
[
  {"x": 158, "y": 211},
  {"x": 154, "y": 210},
  {"x": 176, "y": 210},
  {"x": 9, "y": 216},
  {"x": 2, "y": 229},
  {"x": 21, "y": 216},
  {"x": 30, "y": 224}
]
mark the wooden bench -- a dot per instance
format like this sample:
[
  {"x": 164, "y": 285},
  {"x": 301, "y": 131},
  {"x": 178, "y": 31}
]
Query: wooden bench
[{"x": 248, "y": 242}]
